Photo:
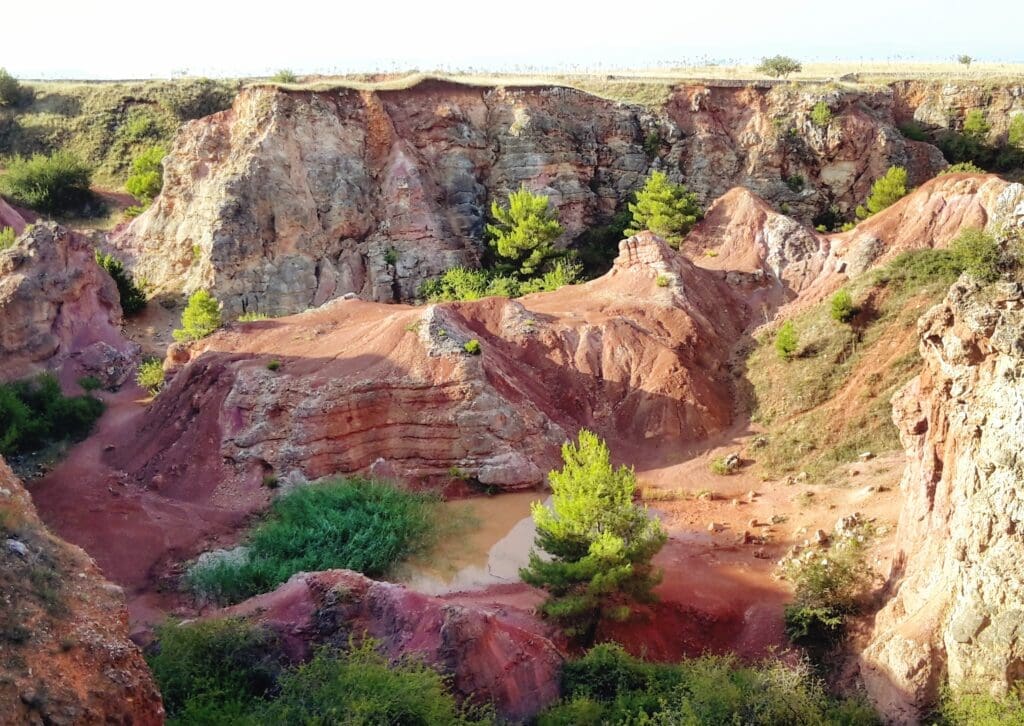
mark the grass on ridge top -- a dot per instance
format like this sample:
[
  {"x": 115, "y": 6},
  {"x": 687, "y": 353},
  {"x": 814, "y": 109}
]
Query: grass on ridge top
[
  {"x": 355, "y": 524},
  {"x": 832, "y": 400}
]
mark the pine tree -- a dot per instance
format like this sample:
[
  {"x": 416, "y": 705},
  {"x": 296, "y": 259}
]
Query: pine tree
[
  {"x": 887, "y": 190},
  {"x": 786, "y": 340},
  {"x": 200, "y": 317},
  {"x": 600, "y": 544},
  {"x": 666, "y": 209},
  {"x": 524, "y": 232}
]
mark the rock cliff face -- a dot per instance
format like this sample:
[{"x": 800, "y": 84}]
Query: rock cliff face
[
  {"x": 65, "y": 657},
  {"x": 942, "y": 105},
  {"x": 59, "y": 310},
  {"x": 958, "y": 608},
  {"x": 291, "y": 199},
  {"x": 497, "y": 655}
]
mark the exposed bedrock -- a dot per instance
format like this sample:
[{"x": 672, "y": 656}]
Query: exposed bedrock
[{"x": 293, "y": 198}]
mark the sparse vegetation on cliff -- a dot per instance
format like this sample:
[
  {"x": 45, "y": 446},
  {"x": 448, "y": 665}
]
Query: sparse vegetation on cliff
[
  {"x": 200, "y": 318},
  {"x": 786, "y": 340},
  {"x": 885, "y": 192},
  {"x": 151, "y": 375},
  {"x": 147, "y": 178},
  {"x": 599, "y": 543},
  {"x": 354, "y": 524},
  {"x": 841, "y": 306},
  {"x": 608, "y": 686},
  {"x": 669, "y": 210},
  {"x": 35, "y": 413},
  {"x": 7, "y": 238}
]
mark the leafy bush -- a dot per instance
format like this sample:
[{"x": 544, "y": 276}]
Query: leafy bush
[
  {"x": 460, "y": 283},
  {"x": 607, "y": 686},
  {"x": 963, "y": 167},
  {"x": 913, "y": 131},
  {"x": 964, "y": 60},
  {"x": 472, "y": 347},
  {"x": 12, "y": 93},
  {"x": 150, "y": 375},
  {"x": 1015, "y": 134},
  {"x": 214, "y": 664},
  {"x": 786, "y": 340},
  {"x": 564, "y": 272},
  {"x": 885, "y": 192},
  {"x": 599, "y": 543},
  {"x": 828, "y": 583},
  {"x": 779, "y": 66},
  {"x": 976, "y": 125},
  {"x": 7, "y": 237},
  {"x": 662, "y": 281},
  {"x": 981, "y": 709},
  {"x": 274, "y": 365},
  {"x": 523, "y": 234},
  {"x": 361, "y": 687},
  {"x": 821, "y": 115},
  {"x": 133, "y": 299},
  {"x": 200, "y": 318},
  {"x": 916, "y": 268},
  {"x": 284, "y": 76},
  {"x": 795, "y": 182},
  {"x": 34, "y": 413},
  {"x": 354, "y": 524},
  {"x": 977, "y": 253},
  {"x": 51, "y": 184},
  {"x": 841, "y": 307},
  {"x": 666, "y": 209},
  {"x": 147, "y": 178}
]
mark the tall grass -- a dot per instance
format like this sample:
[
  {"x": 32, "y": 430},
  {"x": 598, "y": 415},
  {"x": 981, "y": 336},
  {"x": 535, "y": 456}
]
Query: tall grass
[{"x": 354, "y": 524}]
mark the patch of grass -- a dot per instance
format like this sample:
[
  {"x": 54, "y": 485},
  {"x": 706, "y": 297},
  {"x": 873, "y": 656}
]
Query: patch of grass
[
  {"x": 35, "y": 413},
  {"x": 607, "y": 686},
  {"x": 472, "y": 347},
  {"x": 7, "y": 238},
  {"x": 54, "y": 183},
  {"x": 354, "y": 524},
  {"x": 981, "y": 709},
  {"x": 252, "y": 317},
  {"x": 721, "y": 466}
]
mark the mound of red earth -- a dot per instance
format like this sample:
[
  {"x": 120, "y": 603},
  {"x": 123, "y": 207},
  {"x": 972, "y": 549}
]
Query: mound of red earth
[
  {"x": 492, "y": 654},
  {"x": 59, "y": 310},
  {"x": 65, "y": 657}
]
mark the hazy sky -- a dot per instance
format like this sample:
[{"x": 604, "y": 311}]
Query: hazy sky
[{"x": 121, "y": 39}]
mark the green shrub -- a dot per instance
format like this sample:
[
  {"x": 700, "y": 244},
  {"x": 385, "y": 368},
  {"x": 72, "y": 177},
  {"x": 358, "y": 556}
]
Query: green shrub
[
  {"x": 821, "y": 115},
  {"x": 147, "y": 177},
  {"x": 652, "y": 144},
  {"x": 284, "y": 76},
  {"x": 841, "y": 307},
  {"x": 786, "y": 340},
  {"x": 976, "y": 126},
  {"x": 828, "y": 583},
  {"x": 795, "y": 182},
  {"x": 779, "y": 66},
  {"x": 598, "y": 543},
  {"x": 133, "y": 299},
  {"x": 200, "y": 318},
  {"x": 472, "y": 347},
  {"x": 151, "y": 375},
  {"x": 354, "y": 524},
  {"x": 51, "y": 184},
  {"x": 252, "y": 317},
  {"x": 1015, "y": 135},
  {"x": 35, "y": 413},
  {"x": 523, "y": 233},
  {"x": 11, "y": 92},
  {"x": 90, "y": 383},
  {"x": 458, "y": 283},
  {"x": 360, "y": 687},
  {"x": 963, "y": 167},
  {"x": 885, "y": 192},
  {"x": 274, "y": 365},
  {"x": 977, "y": 253},
  {"x": 964, "y": 60},
  {"x": 913, "y": 131},
  {"x": 564, "y": 272},
  {"x": 662, "y": 281},
  {"x": 7, "y": 237},
  {"x": 981, "y": 709},
  {"x": 210, "y": 661},
  {"x": 271, "y": 481},
  {"x": 666, "y": 209},
  {"x": 917, "y": 268},
  {"x": 721, "y": 466},
  {"x": 607, "y": 686}
]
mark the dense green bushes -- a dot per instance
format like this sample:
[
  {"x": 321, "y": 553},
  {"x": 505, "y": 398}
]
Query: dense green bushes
[
  {"x": 147, "y": 177},
  {"x": 231, "y": 672},
  {"x": 841, "y": 306},
  {"x": 151, "y": 375},
  {"x": 133, "y": 299},
  {"x": 885, "y": 192},
  {"x": 523, "y": 233},
  {"x": 977, "y": 253},
  {"x": 34, "y": 413},
  {"x": 821, "y": 115},
  {"x": 669, "y": 210},
  {"x": 981, "y": 709},
  {"x": 786, "y": 340},
  {"x": 12, "y": 93},
  {"x": 460, "y": 283},
  {"x": 54, "y": 184},
  {"x": 354, "y": 524},
  {"x": 607, "y": 686}
]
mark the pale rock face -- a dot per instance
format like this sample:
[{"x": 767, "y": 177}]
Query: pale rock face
[
  {"x": 59, "y": 310},
  {"x": 291, "y": 199},
  {"x": 958, "y": 608}
]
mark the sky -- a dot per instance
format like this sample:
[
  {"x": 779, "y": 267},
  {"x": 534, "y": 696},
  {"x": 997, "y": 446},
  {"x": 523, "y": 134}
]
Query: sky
[{"x": 119, "y": 39}]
